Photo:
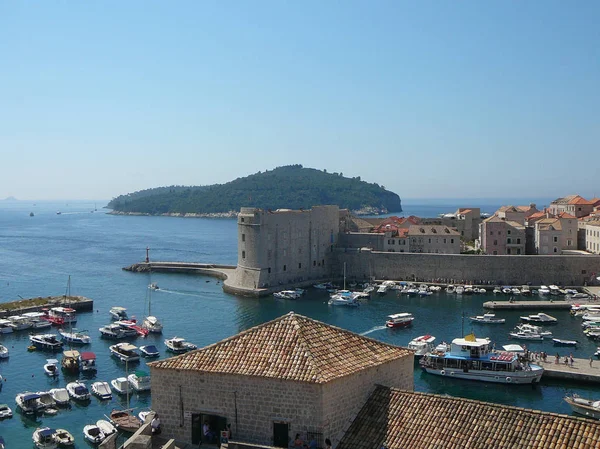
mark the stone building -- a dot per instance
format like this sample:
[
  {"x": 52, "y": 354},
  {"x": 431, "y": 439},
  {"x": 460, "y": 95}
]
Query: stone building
[
  {"x": 434, "y": 239},
  {"x": 395, "y": 419},
  {"x": 554, "y": 235},
  {"x": 287, "y": 376},
  {"x": 465, "y": 220},
  {"x": 284, "y": 246},
  {"x": 573, "y": 204},
  {"x": 591, "y": 232},
  {"x": 501, "y": 237}
]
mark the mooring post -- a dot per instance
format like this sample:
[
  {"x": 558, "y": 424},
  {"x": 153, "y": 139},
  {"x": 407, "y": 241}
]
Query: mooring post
[{"x": 147, "y": 254}]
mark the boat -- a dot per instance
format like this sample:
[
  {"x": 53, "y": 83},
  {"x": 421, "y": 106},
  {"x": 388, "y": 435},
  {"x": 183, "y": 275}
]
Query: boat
[
  {"x": 37, "y": 320},
  {"x": 5, "y": 411},
  {"x": 450, "y": 289},
  {"x": 554, "y": 290},
  {"x": 468, "y": 290},
  {"x": 578, "y": 295},
  {"x": 400, "y": 320},
  {"x": 75, "y": 337},
  {"x": 151, "y": 323},
  {"x": 497, "y": 290},
  {"x": 515, "y": 291},
  {"x": 31, "y": 214},
  {"x": 471, "y": 358},
  {"x": 125, "y": 420},
  {"x": 482, "y": 290},
  {"x": 20, "y": 323},
  {"x": 287, "y": 294},
  {"x": 325, "y": 286},
  {"x": 102, "y": 390},
  {"x": 178, "y": 345},
  {"x": 144, "y": 414},
  {"x": 51, "y": 367},
  {"x": 126, "y": 352},
  {"x": 58, "y": 212},
  {"x": 533, "y": 329},
  {"x": 64, "y": 438},
  {"x": 525, "y": 290},
  {"x": 116, "y": 332},
  {"x": 597, "y": 353},
  {"x": 29, "y": 403},
  {"x": 46, "y": 341},
  {"x": 459, "y": 290},
  {"x": 560, "y": 342},
  {"x": 120, "y": 385},
  {"x": 87, "y": 362},
  {"x": 70, "y": 361},
  {"x": 343, "y": 298},
  {"x": 93, "y": 434},
  {"x": 585, "y": 407},
  {"x": 487, "y": 318},
  {"x": 61, "y": 315},
  {"x": 4, "y": 353},
  {"x": 543, "y": 290},
  {"x": 77, "y": 390},
  {"x": 421, "y": 345},
  {"x": 539, "y": 318},
  {"x": 6, "y": 326},
  {"x": 132, "y": 328},
  {"x": 60, "y": 396},
  {"x": 382, "y": 289},
  {"x": 118, "y": 313},
  {"x": 520, "y": 335},
  {"x": 139, "y": 381},
  {"x": 149, "y": 351},
  {"x": 153, "y": 286},
  {"x": 44, "y": 438},
  {"x": 106, "y": 427},
  {"x": 424, "y": 293}
]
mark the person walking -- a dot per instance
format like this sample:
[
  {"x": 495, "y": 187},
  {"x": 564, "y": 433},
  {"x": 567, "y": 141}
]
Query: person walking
[{"x": 591, "y": 360}]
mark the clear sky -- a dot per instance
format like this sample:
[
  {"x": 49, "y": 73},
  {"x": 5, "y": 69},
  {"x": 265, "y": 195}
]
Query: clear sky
[{"x": 430, "y": 99}]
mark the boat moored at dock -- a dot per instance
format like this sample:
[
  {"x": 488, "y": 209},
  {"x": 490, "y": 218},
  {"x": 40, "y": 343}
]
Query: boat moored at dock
[
  {"x": 585, "y": 407},
  {"x": 78, "y": 391},
  {"x": 178, "y": 345},
  {"x": 421, "y": 345},
  {"x": 139, "y": 381},
  {"x": 46, "y": 341},
  {"x": 539, "y": 318},
  {"x": 487, "y": 318},
  {"x": 125, "y": 352}
]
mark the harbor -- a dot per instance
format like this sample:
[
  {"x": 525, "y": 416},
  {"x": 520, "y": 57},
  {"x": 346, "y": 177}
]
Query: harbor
[
  {"x": 78, "y": 303},
  {"x": 527, "y": 305},
  {"x": 580, "y": 371}
]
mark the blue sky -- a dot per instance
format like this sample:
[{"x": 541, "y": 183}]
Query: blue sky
[{"x": 430, "y": 99}]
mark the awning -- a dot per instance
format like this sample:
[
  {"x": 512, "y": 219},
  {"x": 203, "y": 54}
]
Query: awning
[{"x": 513, "y": 348}]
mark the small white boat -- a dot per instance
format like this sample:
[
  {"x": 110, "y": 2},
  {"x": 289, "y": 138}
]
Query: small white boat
[
  {"x": 487, "y": 318},
  {"x": 120, "y": 385},
  {"x": 20, "y": 323},
  {"x": 44, "y": 438},
  {"x": 38, "y": 320},
  {"x": 152, "y": 324},
  {"x": 139, "y": 381},
  {"x": 29, "y": 403},
  {"x": 64, "y": 438},
  {"x": 70, "y": 361},
  {"x": 116, "y": 332},
  {"x": 459, "y": 290},
  {"x": 102, "y": 390},
  {"x": 75, "y": 337},
  {"x": 106, "y": 427},
  {"x": 539, "y": 318},
  {"x": 343, "y": 298},
  {"x": 5, "y": 411},
  {"x": 178, "y": 345},
  {"x": 421, "y": 345},
  {"x": 561, "y": 342},
  {"x": 93, "y": 434},
  {"x": 118, "y": 313},
  {"x": 46, "y": 399},
  {"x": 544, "y": 290},
  {"x": 60, "y": 396},
  {"x": 450, "y": 289},
  {"x": 46, "y": 341},
  {"x": 497, "y": 290},
  {"x": 51, "y": 367},
  {"x": 126, "y": 352},
  {"x": 482, "y": 290},
  {"x": 554, "y": 290},
  {"x": 287, "y": 294},
  {"x": 585, "y": 407},
  {"x": 77, "y": 390},
  {"x": 154, "y": 286},
  {"x": 6, "y": 327}
]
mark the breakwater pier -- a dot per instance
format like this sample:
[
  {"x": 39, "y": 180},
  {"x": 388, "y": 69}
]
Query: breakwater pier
[
  {"x": 79, "y": 303},
  {"x": 209, "y": 269},
  {"x": 580, "y": 371},
  {"x": 525, "y": 305}
]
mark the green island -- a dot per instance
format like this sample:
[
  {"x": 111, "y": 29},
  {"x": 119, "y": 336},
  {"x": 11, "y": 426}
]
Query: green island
[{"x": 291, "y": 186}]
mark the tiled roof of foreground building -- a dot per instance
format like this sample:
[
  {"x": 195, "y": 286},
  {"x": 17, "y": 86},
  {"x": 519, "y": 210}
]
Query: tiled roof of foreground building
[
  {"x": 397, "y": 419},
  {"x": 292, "y": 347}
]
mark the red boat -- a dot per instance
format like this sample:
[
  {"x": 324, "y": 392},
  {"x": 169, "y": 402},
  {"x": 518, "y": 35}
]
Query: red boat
[
  {"x": 400, "y": 320},
  {"x": 132, "y": 324},
  {"x": 59, "y": 315}
]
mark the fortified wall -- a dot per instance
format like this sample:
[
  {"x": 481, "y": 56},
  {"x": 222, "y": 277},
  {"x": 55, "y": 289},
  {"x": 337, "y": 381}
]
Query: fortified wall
[{"x": 505, "y": 270}]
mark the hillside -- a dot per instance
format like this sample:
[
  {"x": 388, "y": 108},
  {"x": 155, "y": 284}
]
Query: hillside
[{"x": 291, "y": 186}]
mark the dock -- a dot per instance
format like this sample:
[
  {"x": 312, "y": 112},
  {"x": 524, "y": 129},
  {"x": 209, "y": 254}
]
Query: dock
[
  {"x": 209, "y": 269},
  {"x": 580, "y": 371},
  {"x": 79, "y": 303},
  {"x": 523, "y": 305}
]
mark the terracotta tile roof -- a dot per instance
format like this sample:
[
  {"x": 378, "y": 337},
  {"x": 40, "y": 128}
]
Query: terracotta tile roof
[
  {"x": 565, "y": 215},
  {"x": 291, "y": 347},
  {"x": 580, "y": 200},
  {"x": 548, "y": 223},
  {"x": 429, "y": 230},
  {"x": 397, "y": 419},
  {"x": 493, "y": 219},
  {"x": 595, "y": 201}
]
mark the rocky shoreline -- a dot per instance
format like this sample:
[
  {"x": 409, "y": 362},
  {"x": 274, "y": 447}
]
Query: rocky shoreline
[{"x": 232, "y": 214}]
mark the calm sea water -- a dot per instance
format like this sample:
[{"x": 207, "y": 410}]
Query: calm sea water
[{"x": 37, "y": 254}]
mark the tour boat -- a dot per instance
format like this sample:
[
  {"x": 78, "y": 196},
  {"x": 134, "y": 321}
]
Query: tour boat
[
  {"x": 487, "y": 318},
  {"x": 120, "y": 385},
  {"x": 70, "y": 361},
  {"x": 149, "y": 351},
  {"x": 106, "y": 427},
  {"x": 421, "y": 345},
  {"x": 118, "y": 313},
  {"x": 5, "y": 411},
  {"x": 20, "y": 323},
  {"x": 37, "y": 320},
  {"x": 51, "y": 367},
  {"x": 124, "y": 420},
  {"x": 116, "y": 332},
  {"x": 74, "y": 336},
  {"x": 544, "y": 290},
  {"x": 29, "y": 403},
  {"x": 87, "y": 362},
  {"x": 64, "y": 438},
  {"x": 560, "y": 342},
  {"x": 102, "y": 390},
  {"x": 287, "y": 294},
  {"x": 77, "y": 390},
  {"x": 6, "y": 326},
  {"x": 46, "y": 341},
  {"x": 93, "y": 434},
  {"x": 539, "y": 318},
  {"x": 470, "y": 358},
  {"x": 585, "y": 407},
  {"x": 126, "y": 352},
  {"x": 61, "y": 315},
  {"x": 400, "y": 320},
  {"x": 4, "y": 353},
  {"x": 60, "y": 396},
  {"x": 44, "y": 438},
  {"x": 178, "y": 345},
  {"x": 139, "y": 381}
]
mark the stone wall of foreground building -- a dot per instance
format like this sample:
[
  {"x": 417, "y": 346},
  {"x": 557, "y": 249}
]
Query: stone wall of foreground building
[{"x": 514, "y": 270}]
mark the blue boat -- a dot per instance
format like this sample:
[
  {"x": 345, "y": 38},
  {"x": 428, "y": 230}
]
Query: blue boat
[{"x": 149, "y": 351}]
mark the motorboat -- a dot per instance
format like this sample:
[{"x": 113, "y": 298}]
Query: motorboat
[
  {"x": 286, "y": 294},
  {"x": 530, "y": 332},
  {"x": 125, "y": 420},
  {"x": 64, "y": 438},
  {"x": 487, "y": 318},
  {"x": 520, "y": 335},
  {"x": 120, "y": 385},
  {"x": 533, "y": 329},
  {"x": 5, "y": 411},
  {"x": 459, "y": 290},
  {"x": 149, "y": 351},
  {"x": 412, "y": 291},
  {"x": 471, "y": 358},
  {"x": 585, "y": 407},
  {"x": 20, "y": 323},
  {"x": 6, "y": 326},
  {"x": 482, "y": 290},
  {"x": 87, "y": 362},
  {"x": 450, "y": 289},
  {"x": 139, "y": 381},
  {"x": 93, "y": 434},
  {"x": 543, "y": 290},
  {"x": 421, "y": 345},
  {"x": 525, "y": 291},
  {"x": 468, "y": 290},
  {"x": 46, "y": 399},
  {"x": 132, "y": 327},
  {"x": 116, "y": 332},
  {"x": 125, "y": 352},
  {"x": 382, "y": 289},
  {"x": 539, "y": 318},
  {"x": 400, "y": 320},
  {"x": 102, "y": 390},
  {"x": 118, "y": 313},
  {"x": 424, "y": 293},
  {"x": 554, "y": 290},
  {"x": 178, "y": 345},
  {"x": 70, "y": 361},
  {"x": 152, "y": 324},
  {"x": 302, "y": 291},
  {"x": 29, "y": 403},
  {"x": 561, "y": 342},
  {"x": 37, "y": 320},
  {"x": 44, "y": 438},
  {"x": 106, "y": 427},
  {"x": 61, "y": 315},
  {"x": 60, "y": 396},
  {"x": 597, "y": 353},
  {"x": 515, "y": 291},
  {"x": 46, "y": 341},
  {"x": 51, "y": 367},
  {"x": 4, "y": 353},
  {"x": 496, "y": 290},
  {"x": 77, "y": 390},
  {"x": 343, "y": 298},
  {"x": 153, "y": 286},
  {"x": 578, "y": 295},
  {"x": 75, "y": 337},
  {"x": 325, "y": 286}
]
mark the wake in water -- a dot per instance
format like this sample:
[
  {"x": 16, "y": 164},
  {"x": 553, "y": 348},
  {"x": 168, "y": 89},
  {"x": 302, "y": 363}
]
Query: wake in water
[
  {"x": 173, "y": 292},
  {"x": 374, "y": 329}
]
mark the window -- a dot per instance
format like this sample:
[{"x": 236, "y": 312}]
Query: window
[
  {"x": 299, "y": 265},
  {"x": 508, "y": 232},
  {"x": 451, "y": 240},
  {"x": 555, "y": 240},
  {"x": 508, "y": 241},
  {"x": 285, "y": 268},
  {"x": 518, "y": 241},
  {"x": 243, "y": 254},
  {"x": 323, "y": 262},
  {"x": 555, "y": 249},
  {"x": 569, "y": 242},
  {"x": 243, "y": 237},
  {"x": 518, "y": 250},
  {"x": 508, "y": 251},
  {"x": 495, "y": 242},
  {"x": 314, "y": 263},
  {"x": 242, "y": 219},
  {"x": 429, "y": 240},
  {"x": 444, "y": 240},
  {"x": 495, "y": 253},
  {"x": 269, "y": 269},
  {"x": 491, "y": 232}
]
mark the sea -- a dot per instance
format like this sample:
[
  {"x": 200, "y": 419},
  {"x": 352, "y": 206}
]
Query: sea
[{"x": 39, "y": 253}]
